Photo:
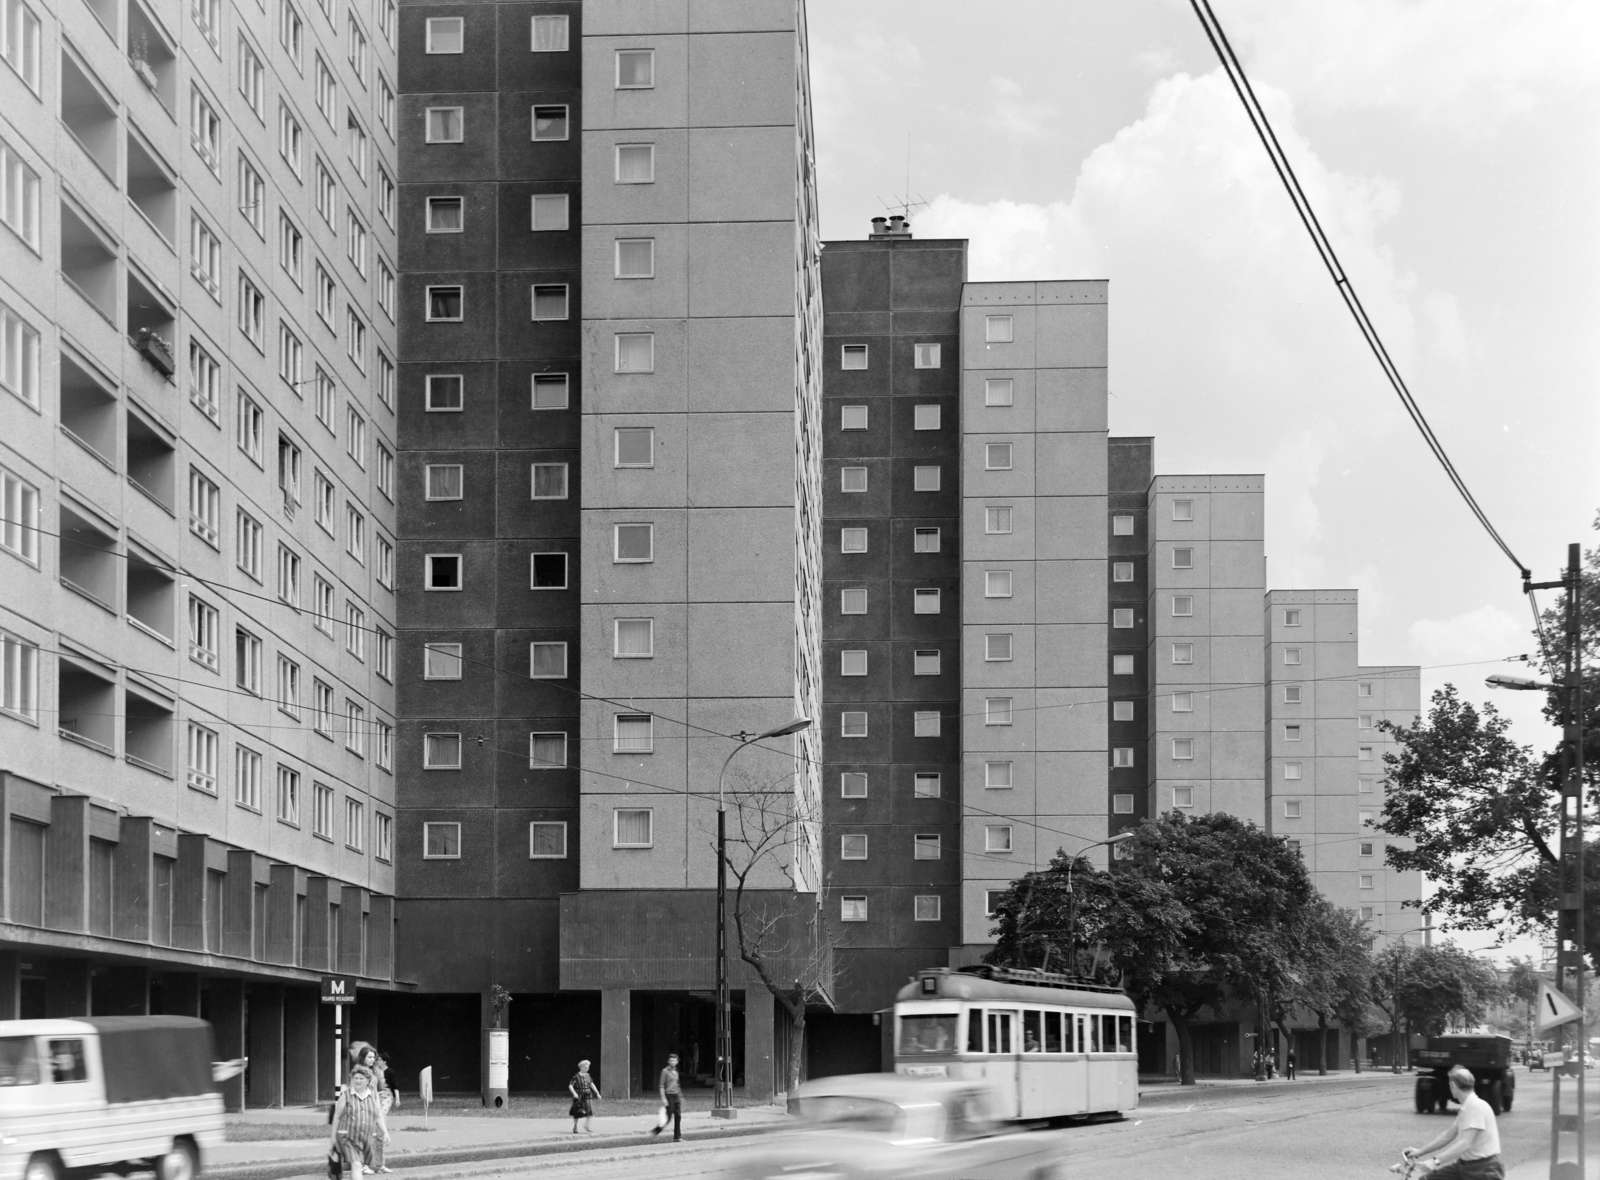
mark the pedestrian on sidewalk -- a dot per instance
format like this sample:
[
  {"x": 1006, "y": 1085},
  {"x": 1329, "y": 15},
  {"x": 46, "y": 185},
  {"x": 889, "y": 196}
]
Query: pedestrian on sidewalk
[
  {"x": 1289, "y": 1066},
  {"x": 584, "y": 1092},
  {"x": 355, "y": 1119},
  {"x": 671, "y": 1100},
  {"x": 367, "y": 1058}
]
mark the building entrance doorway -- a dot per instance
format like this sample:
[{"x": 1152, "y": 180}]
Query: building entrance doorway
[{"x": 684, "y": 1023}]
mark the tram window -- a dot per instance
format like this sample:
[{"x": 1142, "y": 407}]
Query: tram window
[
  {"x": 1108, "y": 1034},
  {"x": 975, "y": 1031},
  {"x": 1032, "y": 1034},
  {"x": 1124, "y": 1034},
  {"x": 1052, "y": 1032},
  {"x": 1080, "y": 1046},
  {"x": 927, "y": 1034},
  {"x": 1094, "y": 1035},
  {"x": 1000, "y": 1032}
]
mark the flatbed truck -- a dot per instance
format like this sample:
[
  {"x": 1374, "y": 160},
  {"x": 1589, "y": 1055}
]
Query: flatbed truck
[{"x": 1487, "y": 1055}]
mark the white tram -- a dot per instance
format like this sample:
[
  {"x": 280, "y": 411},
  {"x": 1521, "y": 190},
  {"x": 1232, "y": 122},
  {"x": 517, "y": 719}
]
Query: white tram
[{"x": 1047, "y": 1045}]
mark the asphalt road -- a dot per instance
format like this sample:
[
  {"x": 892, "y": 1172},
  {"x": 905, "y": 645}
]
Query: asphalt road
[{"x": 1325, "y": 1131}]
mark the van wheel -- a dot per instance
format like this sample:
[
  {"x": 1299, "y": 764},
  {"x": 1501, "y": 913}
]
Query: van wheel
[
  {"x": 181, "y": 1163},
  {"x": 43, "y": 1166}
]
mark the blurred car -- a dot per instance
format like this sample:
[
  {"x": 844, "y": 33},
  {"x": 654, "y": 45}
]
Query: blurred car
[{"x": 889, "y": 1126}]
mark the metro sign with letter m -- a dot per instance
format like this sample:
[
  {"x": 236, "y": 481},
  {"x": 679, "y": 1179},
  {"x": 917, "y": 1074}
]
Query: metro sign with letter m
[{"x": 338, "y": 989}]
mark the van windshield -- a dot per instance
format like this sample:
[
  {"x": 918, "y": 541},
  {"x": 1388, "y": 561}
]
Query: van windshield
[{"x": 19, "y": 1062}]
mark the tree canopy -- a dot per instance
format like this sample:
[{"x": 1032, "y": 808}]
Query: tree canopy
[{"x": 1434, "y": 988}]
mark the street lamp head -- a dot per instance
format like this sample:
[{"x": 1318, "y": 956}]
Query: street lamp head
[
  {"x": 794, "y": 726},
  {"x": 1518, "y": 683},
  {"x": 1120, "y": 837}
]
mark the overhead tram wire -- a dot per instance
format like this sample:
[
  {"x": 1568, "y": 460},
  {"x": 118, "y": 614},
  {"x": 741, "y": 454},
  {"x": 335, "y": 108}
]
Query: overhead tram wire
[{"x": 1330, "y": 259}]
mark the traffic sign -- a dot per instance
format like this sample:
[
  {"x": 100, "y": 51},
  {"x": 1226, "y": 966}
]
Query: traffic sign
[
  {"x": 338, "y": 989},
  {"x": 1555, "y": 1009}
]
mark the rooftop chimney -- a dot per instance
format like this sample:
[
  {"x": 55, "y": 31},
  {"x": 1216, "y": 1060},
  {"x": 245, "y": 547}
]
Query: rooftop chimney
[{"x": 896, "y": 227}]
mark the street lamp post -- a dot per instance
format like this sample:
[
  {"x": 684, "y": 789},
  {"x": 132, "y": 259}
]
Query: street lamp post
[
  {"x": 722, "y": 1094},
  {"x": 1394, "y": 1001},
  {"x": 1570, "y": 926},
  {"x": 1072, "y": 898}
]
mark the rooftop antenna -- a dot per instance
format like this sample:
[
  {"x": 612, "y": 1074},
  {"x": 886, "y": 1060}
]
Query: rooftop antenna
[{"x": 907, "y": 202}]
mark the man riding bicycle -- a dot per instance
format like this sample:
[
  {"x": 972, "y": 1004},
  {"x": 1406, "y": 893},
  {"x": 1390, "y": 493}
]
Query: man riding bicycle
[{"x": 1470, "y": 1149}]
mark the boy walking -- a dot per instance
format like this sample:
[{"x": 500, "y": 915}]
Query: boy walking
[{"x": 671, "y": 1100}]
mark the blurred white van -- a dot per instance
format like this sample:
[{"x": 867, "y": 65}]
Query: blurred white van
[{"x": 108, "y": 1093}]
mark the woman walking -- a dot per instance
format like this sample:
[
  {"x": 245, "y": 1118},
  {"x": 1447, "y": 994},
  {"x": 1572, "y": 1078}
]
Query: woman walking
[
  {"x": 584, "y": 1092},
  {"x": 367, "y": 1058},
  {"x": 355, "y": 1119}
]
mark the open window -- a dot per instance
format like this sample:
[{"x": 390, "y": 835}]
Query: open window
[
  {"x": 89, "y": 562},
  {"x": 154, "y": 59},
  {"x": 152, "y": 462},
  {"x": 152, "y": 324},
  {"x": 147, "y": 731},
  {"x": 89, "y": 261},
  {"x": 88, "y": 410},
  {"x": 152, "y": 596},
  {"x": 87, "y": 702},
  {"x": 152, "y": 188},
  {"x": 89, "y": 115}
]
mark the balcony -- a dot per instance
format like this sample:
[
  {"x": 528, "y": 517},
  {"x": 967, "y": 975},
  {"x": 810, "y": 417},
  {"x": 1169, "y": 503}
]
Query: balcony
[
  {"x": 153, "y": 57},
  {"x": 89, "y": 412},
  {"x": 152, "y": 189},
  {"x": 89, "y": 561},
  {"x": 89, "y": 115},
  {"x": 88, "y": 708},
  {"x": 89, "y": 262},
  {"x": 152, "y": 463},
  {"x": 147, "y": 729},
  {"x": 152, "y": 598},
  {"x": 152, "y": 324}
]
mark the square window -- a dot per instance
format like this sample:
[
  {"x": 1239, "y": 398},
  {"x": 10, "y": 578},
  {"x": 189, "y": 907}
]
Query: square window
[
  {"x": 443, "y": 393},
  {"x": 998, "y": 329},
  {"x": 1364, "y": 848},
  {"x": 547, "y": 840},
  {"x": 997, "y": 520},
  {"x": 852, "y": 908},
  {"x": 636, "y": 258},
  {"x": 549, "y": 301},
  {"x": 852, "y": 785},
  {"x": 997, "y": 584},
  {"x": 1122, "y": 757},
  {"x": 1366, "y": 817},
  {"x": 1122, "y": 525},
  {"x": 997, "y": 776},
  {"x": 442, "y": 481},
  {"x": 445, "y": 34},
  {"x": 444, "y": 304},
  {"x": 1291, "y": 694},
  {"x": 853, "y": 356},
  {"x": 1366, "y": 913},
  {"x": 549, "y": 34},
  {"x": 927, "y": 356},
  {"x": 441, "y": 841},
  {"x": 1291, "y": 809},
  {"x": 925, "y": 724},
  {"x": 633, "y": 827},
  {"x": 442, "y": 571},
  {"x": 925, "y": 907},
  {"x": 852, "y": 540},
  {"x": 991, "y": 901},
  {"x": 1183, "y": 796},
  {"x": 1122, "y": 617},
  {"x": 853, "y": 601},
  {"x": 1122, "y": 710},
  {"x": 635, "y": 639},
  {"x": 853, "y": 846},
  {"x": 633, "y": 733},
  {"x": 925, "y": 540},
  {"x": 925, "y": 601},
  {"x": 1122, "y": 804},
  {"x": 1364, "y": 754},
  {"x": 441, "y": 661},
  {"x": 1183, "y": 702},
  {"x": 1364, "y": 720},
  {"x": 444, "y": 125},
  {"x": 925, "y": 846},
  {"x": 547, "y": 661},
  {"x": 636, "y": 69},
  {"x": 997, "y": 838},
  {"x": 1121, "y": 665},
  {"x": 997, "y": 645},
  {"x": 1292, "y": 770},
  {"x": 998, "y": 391},
  {"x": 852, "y": 663},
  {"x": 1291, "y": 655},
  {"x": 925, "y": 417},
  {"x": 549, "y": 481},
  {"x": 925, "y": 785},
  {"x": 547, "y": 571},
  {"x": 634, "y": 542},
  {"x": 1366, "y": 786},
  {"x": 1291, "y": 618},
  {"x": 997, "y": 711},
  {"x": 636, "y": 163},
  {"x": 1364, "y": 688},
  {"x": 852, "y": 479},
  {"x": 997, "y": 456},
  {"x": 635, "y": 446},
  {"x": 1183, "y": 749},
  {"x": 1183, "y": 653},
  {"x": 445, "y": 215},
  {"x": 549, "y": 212},
  {"x": 925, "y": 479},
  {"x": 1183, "y": 510},
  {"x": 1122, "y": 571},
  {"x": 1365, "y": 880},
  {"x": 852, "y": 417},
  {"x": 1182, "y": 605},
  {"x": 441, "y": 751},
  {"x": 547, "y": 751},
  {"x": 549, "y": 123},
  {"x": 1291, "y": 733},
  {"x": 925, "y": 663},
  {"x": 852, "y": 724},
  {"x": 1183, "y": 559},
  {"x": 636, "y": 352}
]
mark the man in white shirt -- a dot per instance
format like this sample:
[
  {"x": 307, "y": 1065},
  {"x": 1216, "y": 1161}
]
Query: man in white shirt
[{"x": 1470, "y": 1149}]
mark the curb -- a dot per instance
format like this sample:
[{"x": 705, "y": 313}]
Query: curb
[
  {"x": 1277, "y": 1085},
  {"x": 282, "y": 1170}
]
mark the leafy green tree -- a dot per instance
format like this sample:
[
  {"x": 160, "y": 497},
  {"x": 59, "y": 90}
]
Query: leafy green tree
[
  {"x": 1430, "y": 988},
  {"x": 1522, "y": 985},
  {"x": 1201, "y": 910},
  {"x": 1334, "y": 973}
]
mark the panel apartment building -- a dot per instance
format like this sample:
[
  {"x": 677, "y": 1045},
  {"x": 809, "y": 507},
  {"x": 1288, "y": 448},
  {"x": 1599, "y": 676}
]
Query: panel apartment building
[{"x": 197, "y": 453}]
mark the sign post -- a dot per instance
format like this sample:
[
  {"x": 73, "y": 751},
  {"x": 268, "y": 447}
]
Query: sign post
[
  {"x": 338, "y": 990},
  {"x": 425, "y": 1088}
]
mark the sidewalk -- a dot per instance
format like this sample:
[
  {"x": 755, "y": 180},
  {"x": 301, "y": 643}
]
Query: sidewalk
[
  {"x": 1168, "y": 1089},
  {"x": 459, "y": 1138}
]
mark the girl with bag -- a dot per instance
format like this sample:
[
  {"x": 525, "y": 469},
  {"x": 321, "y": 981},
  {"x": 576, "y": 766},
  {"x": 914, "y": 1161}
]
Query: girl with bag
[{"x": 584, "y": 1092}]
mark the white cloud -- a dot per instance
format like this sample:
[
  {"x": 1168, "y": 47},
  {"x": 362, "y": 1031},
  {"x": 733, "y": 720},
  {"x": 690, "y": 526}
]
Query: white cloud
[
  {"x": 1485, "y": 632},
  {"x": 1017, "y": 116}
]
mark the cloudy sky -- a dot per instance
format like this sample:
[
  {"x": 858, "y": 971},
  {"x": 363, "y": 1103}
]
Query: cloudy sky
[{"x": 1450, "y": 149}]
